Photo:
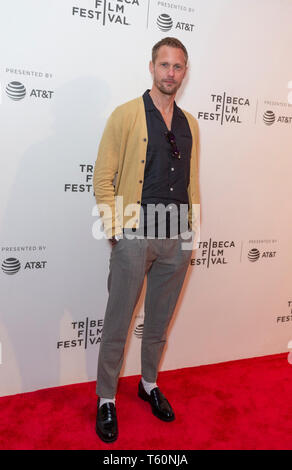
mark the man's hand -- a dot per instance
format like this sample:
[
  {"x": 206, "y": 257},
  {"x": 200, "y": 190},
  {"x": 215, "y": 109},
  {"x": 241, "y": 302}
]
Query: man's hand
[{"x": 114, "y": 240}]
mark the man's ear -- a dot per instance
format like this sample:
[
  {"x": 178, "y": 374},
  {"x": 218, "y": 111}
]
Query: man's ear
[{"x": 151, "y": 67}]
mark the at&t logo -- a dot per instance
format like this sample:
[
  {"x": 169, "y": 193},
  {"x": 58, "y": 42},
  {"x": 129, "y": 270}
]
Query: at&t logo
[
  {"x": 12, "y": 265},
  {"x": 254, "y": 254},
  {"x": 16, "y": 91},
  {"x": 138, "y": 332},
  {"x": 165, "y": 24},
  {"x": 269, "y": 118}
]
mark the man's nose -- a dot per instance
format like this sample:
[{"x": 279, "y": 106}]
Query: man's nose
[{"x": 171, "y": 71}]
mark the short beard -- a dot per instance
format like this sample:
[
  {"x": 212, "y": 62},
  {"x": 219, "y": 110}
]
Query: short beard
[{"x": 165, "y": 91}]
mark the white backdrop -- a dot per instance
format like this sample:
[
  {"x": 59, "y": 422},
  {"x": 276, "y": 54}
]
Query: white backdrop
[{"x": 64, "y": 66}]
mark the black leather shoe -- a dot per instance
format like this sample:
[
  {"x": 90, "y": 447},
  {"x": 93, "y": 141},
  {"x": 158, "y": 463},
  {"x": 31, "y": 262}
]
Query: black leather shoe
[
  {"x": 106, "y": 422},
  {"x": 160, "y": 406}
]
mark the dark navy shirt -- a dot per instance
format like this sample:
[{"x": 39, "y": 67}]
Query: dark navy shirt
[{"x": 166, "y": 178}]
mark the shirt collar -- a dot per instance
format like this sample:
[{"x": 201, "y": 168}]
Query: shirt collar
[{"x": 150, "y": 106}]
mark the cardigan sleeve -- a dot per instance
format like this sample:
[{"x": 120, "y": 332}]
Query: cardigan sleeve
[
  {"x": 105, "y": 169},
  {"x": 193, "y": 189}
]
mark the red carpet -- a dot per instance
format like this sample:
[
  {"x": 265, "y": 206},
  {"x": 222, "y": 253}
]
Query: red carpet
[{"x": 236, "y": 405}]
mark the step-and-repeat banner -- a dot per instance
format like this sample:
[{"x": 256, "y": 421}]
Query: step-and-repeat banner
[{"x": 64, "y": 67}]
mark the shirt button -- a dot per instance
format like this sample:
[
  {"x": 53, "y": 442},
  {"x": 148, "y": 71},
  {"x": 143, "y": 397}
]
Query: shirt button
[
  {"x": 170, "y": 207},
  {"x": 171, "y": 189},
  {"x": 172, "y": 169}
]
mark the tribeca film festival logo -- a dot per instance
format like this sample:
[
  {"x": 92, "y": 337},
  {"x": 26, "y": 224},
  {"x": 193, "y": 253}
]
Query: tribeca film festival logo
[
  {"x": 107, "y": 11},
  {"x": 225, "y": 109},
  {"x": 280, "y": 319},
  {"x": 212, "y": 252},
  {"x": 86, "y": 172},
  {"x": 86, "y": 333},
  {"x": 12, "y": 265}
]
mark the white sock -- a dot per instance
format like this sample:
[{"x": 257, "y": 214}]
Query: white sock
[
  {"x": 148, "y": 386},
  {"x": 102, "y": 401}
]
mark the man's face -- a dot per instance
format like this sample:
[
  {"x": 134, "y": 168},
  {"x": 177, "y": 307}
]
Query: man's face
[{"x": 169, "y": 69}]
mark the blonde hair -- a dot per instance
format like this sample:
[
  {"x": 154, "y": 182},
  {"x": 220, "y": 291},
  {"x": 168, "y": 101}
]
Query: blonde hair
[{"x": 171, "y": 42}]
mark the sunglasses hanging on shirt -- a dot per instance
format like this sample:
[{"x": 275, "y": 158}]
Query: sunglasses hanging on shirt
[{"x": 170, "y": 137}]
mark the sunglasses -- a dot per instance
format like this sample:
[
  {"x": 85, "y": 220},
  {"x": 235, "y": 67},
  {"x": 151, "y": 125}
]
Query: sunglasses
[{"x": 171, "y": 139}]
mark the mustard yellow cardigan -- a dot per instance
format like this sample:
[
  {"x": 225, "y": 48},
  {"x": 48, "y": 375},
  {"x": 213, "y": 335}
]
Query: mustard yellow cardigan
[{"x": 119, "y": 168}]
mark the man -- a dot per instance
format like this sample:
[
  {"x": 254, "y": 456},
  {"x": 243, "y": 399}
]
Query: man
[{"x": 147, "y": 160}]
